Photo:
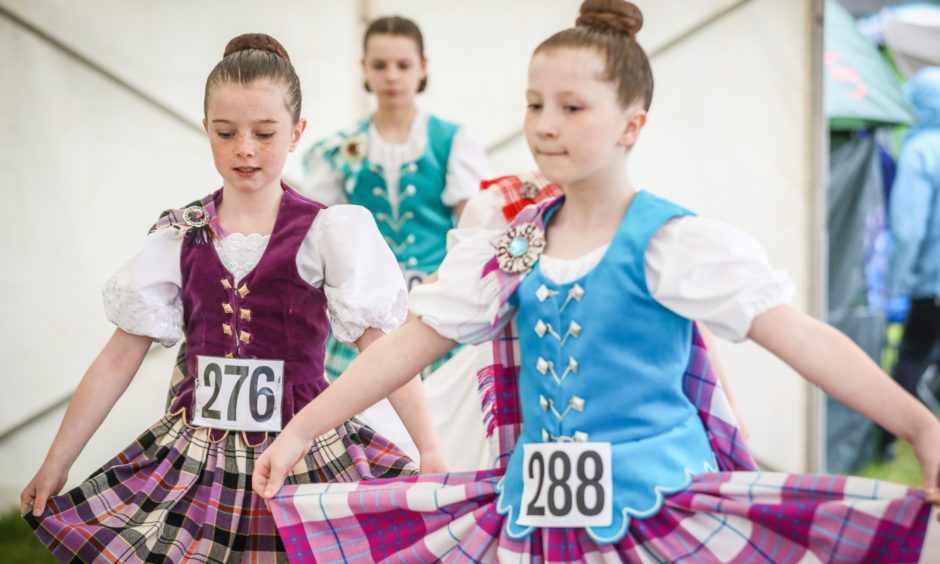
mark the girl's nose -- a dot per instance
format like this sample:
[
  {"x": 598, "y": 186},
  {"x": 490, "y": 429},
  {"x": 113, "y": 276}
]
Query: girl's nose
[
  {"x": 246, "y": 146},
  {"x": 547, "y": 125}
]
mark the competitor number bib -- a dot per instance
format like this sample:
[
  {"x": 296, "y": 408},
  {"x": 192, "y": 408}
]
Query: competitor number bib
[
  {"x": 239, "y": 394},
  {"x": 567, "y": 485},
  {"x": 413, "y": 278}
]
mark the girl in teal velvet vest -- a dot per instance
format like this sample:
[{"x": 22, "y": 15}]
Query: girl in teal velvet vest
[{"x": 412, "y": 170}]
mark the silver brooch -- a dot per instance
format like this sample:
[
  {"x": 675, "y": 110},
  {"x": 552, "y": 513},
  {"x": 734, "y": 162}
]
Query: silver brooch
[
  {"x": 196, "y": 216},
  {"x": 519, "y": 248},
  {"x": 529, "y": 190}
]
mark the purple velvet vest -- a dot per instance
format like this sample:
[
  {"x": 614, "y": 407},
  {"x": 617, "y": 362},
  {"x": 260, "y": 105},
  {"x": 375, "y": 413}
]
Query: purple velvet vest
[{"x": 272, "y": 313}]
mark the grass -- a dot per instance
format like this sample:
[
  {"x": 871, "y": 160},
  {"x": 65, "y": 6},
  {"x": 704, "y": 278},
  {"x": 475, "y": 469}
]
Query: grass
[
  {"x": 904, "y": 469},
  {"x": 18, "y": 544}
]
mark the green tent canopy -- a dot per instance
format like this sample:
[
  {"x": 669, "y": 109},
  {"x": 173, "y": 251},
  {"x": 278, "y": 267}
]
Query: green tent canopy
[{"x": 860, "y": 91}]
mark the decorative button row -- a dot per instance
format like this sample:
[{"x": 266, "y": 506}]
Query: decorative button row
[
  {"x": 395, "y": 223},
  {"x": 243, "y": 313},
  {"x": 576, "y": 403},
  {"x": 398, "y": 248},
  {"x": 541, "y": 328},
  {"x": 410, "y": 168},
  {"x": 545, "y": 366},
  {"x": 243, "y": 336},
  {"x": 577, "y": 437}
]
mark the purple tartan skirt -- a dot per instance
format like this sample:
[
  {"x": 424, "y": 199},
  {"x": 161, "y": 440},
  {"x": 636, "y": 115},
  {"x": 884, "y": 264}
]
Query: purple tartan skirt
[
  {"x": 720, "y": 517},
  {"x": 174, "y": 494}
]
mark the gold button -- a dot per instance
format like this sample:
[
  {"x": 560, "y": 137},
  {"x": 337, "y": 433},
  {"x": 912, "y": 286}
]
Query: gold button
[
  {"x": 244, "y": 337},
  {"x": 226, "y": 328},
  {"x": 227, "y": 308},
  {"x": 229, "y": 355},
  {"x": 226, "y": 284},
  {"x": 245, "y": 314},
  {"x": 243, "y": 291}
]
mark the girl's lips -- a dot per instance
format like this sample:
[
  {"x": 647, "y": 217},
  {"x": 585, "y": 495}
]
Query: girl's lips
[{"x": 246, "y": 171}]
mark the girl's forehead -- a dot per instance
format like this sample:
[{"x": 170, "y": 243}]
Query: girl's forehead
[
  {"x": 386, "y": 45},
  {"x": 574, "y": 67},
  {"x": 259, "y": 100}
]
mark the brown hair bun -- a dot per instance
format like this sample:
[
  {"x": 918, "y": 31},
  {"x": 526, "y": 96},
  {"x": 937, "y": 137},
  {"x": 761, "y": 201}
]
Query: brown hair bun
[
  {"x": 617, "y": 16},
  {"x": 259, "y": 41}
]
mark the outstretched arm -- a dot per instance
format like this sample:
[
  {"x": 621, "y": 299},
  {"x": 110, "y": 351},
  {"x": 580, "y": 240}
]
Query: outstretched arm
[
  {"x": 829, "y": 359},
  {"x": 410, "y": 404},
  {"x": 382, "y": 368},
  {"x": 104, "y": 382}
]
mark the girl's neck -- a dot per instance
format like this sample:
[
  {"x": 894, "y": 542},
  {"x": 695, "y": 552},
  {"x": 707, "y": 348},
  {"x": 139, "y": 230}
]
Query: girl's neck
[
  {"x": 394, "y": 123},
  {"x": 250, "y": 212},
  {"x": 598, "y": 200}
]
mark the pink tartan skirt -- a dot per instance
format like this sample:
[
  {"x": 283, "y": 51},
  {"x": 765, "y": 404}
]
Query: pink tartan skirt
[{"x": 721, "y": 517}]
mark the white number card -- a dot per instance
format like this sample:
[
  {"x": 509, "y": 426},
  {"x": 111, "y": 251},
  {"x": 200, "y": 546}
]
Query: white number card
[
  {"x": 567, "y": 485},
  {"x": 413, "y": 278},
  {"x": 239, "y": 394}
]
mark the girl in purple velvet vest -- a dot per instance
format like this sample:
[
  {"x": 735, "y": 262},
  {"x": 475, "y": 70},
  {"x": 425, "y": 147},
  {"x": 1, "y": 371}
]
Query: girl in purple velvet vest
[{"x": 254, "y": 276}]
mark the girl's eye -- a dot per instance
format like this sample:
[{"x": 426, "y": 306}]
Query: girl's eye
[
  {"x": 534, "y": 107},
  {"x": 572, "y": 109},
  {"x": 378, "y": 66},
  {"x": 224, "y": 134},
  {"x": 265, "y": 135},
  {"x": 404, "y": 66}
]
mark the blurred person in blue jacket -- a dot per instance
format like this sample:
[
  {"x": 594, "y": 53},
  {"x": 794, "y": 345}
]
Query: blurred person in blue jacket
[{"x": 914, "y": 268}]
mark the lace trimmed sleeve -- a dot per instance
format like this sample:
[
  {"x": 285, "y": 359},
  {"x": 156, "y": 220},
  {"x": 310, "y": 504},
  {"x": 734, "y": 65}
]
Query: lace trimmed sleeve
[
  {"x": 143, "y": 296},
  {"x": 363, "y": 284}
]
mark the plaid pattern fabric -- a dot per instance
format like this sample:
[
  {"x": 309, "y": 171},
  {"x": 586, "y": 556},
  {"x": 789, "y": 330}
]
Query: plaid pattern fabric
[
  {"x": 177, "y": 495},
  {"x": 721, "y": 517},
  {"x": 520, "y": 191}
]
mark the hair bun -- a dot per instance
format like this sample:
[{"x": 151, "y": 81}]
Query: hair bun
[
  {"x": 260, "y": 41},
  {"x": 617, "y": 16}
]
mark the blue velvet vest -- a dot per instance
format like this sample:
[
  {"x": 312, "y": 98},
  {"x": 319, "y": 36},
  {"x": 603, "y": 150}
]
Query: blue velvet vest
[{"x": 602, "y": 361}]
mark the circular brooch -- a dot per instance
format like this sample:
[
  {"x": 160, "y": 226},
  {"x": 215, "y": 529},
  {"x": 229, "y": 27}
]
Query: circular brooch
[
  {"x": 519, "y": 248},
  {"x": 529, "y": 190},
  {"x": 196, "y": 216}
]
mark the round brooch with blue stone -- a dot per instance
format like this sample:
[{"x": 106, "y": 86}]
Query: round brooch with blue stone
[{"x": 519, "y": 248}]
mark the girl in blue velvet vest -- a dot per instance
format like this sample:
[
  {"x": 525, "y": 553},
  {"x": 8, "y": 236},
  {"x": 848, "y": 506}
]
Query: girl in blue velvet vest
[{"x": 603, "y": 284}]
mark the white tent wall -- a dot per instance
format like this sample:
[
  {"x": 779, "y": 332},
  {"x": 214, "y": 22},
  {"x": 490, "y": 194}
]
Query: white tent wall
[{"x": 730, "y": 135}]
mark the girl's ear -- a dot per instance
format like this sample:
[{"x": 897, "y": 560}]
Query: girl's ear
[
  {"x": 635, "y": 120},
  {"x": 296, "y": 132}
]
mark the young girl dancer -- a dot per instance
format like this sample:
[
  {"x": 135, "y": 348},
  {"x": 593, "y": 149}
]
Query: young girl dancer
[
  {"x": 247, "y": 273},
  {"x": 414, "y": 171},
  {"x": 617, "y": 450}
]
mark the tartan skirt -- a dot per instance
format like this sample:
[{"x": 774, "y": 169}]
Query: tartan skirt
[
  {"x": 176, "y": 495},
  {"x": 720, "y": 517}
]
